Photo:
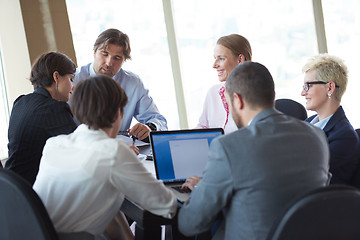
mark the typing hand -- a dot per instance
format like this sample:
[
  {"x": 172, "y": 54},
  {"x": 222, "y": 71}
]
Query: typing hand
[
  {"x": 140, "y": 130},
  {"x": 191, "y": 182}
]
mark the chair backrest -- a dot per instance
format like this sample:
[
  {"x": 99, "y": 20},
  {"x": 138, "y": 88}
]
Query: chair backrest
[
  {"x": 291, "y": 108},
  {"x": 331, "y": 212},
  {"x": 22, "y": 213},
  {"x": 1, "y": 162},
  {"x": 355, "y": 181}
]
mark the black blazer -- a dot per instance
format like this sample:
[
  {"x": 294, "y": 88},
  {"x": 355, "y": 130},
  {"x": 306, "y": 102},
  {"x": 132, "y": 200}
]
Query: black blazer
[
  {"x": 344, "y": 147},
  {"x": 35, "y": 118}
]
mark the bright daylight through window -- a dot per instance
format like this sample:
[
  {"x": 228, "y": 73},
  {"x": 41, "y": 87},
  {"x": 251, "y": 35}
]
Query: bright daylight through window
[
  {"x": 281, "y": 33},
  {"x": 342, "y": 25}
]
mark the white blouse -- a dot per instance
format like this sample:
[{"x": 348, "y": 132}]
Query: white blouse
[
  {"x": 84, "y": 177},
  {"x": 214, "y": 114}
]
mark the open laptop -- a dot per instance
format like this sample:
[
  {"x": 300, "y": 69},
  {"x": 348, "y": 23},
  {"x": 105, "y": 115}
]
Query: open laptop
[{"x": 180, "y": 154}]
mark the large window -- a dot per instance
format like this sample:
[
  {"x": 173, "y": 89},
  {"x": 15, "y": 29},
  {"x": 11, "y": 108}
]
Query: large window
[
  {"x": 281, "y": 32},
  {"x": 4, "y": 112},
  {"x": 342, "y": 26}
]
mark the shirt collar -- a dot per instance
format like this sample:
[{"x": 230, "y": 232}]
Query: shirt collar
[
  {"x": 91, "y": 70},
  {"x": 42, "y": 91},
  {"x": 93, "y": 73},
  {"x": 320, "y": 124}
]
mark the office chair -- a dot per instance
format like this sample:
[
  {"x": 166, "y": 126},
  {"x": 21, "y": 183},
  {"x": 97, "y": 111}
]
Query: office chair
[
  {"x": 22, "y": 213},
  {"x": 331, "y": 212},
  {"x": 291, "y": 108},
  {"x": 355, "y": 181}
]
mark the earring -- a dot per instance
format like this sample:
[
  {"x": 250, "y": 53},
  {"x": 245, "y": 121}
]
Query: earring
[
  {"x": 329, "y": 95},
  {"x": 57, "y": 91}
]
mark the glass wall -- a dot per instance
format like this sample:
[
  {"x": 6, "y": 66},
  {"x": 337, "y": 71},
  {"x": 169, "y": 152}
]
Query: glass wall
[
  {"x": 282, "y": 35},
  {"x": 342, "y": 26}
]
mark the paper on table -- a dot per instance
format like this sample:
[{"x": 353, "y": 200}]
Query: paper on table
[
  {"x": 141, "y": 157},
  {"x": 129, "y": 141}
]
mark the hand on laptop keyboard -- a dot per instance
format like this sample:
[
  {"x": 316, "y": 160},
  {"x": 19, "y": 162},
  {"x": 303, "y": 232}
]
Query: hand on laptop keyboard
[
  {"x": 181, "y": 190},
  {"x": 191, "y": 182}
]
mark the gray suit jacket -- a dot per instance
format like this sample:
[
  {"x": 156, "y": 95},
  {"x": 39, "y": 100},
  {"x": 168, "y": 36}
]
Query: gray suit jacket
[{"x": 253, "y": 173}]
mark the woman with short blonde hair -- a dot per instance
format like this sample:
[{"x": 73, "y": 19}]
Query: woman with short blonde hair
[{"x": 325, "y": 82}]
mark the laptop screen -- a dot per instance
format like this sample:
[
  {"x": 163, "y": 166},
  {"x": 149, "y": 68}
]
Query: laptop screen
[{"x": 182, "y": 153}]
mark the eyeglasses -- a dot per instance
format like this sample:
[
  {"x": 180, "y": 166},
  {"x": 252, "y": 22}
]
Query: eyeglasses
[{"x": 307, "y": 85}]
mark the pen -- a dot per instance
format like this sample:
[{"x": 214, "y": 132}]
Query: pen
[
  {"x": 126, "y": 132},
  {"x": 134, "y": 138}
]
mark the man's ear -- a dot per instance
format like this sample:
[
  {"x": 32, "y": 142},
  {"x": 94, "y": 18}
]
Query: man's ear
[{"x": 238, "y": 101}]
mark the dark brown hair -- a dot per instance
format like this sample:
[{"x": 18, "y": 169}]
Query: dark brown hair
[
  {"x": 237, "y": 45},
  {"x": 253, "y": 82},
  {"x": 116, "y": 37},
  {"x": 45, "y": 65},
  {"x": 96, "y": 100}
]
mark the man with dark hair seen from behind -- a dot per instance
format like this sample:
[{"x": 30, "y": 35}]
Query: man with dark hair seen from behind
[
  {"x": 256, "y": 171},
  {"x": 111, "y": 50}
]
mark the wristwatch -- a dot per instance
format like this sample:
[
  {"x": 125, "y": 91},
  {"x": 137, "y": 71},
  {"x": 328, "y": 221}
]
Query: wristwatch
[{"x": 151, "y": 126}]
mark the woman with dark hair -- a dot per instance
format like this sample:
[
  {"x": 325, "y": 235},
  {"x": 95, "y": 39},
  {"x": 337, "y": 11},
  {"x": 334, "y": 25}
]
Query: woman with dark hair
[
  {"x": 84, "y": 176},
  {"x": 42, "y": 114}
]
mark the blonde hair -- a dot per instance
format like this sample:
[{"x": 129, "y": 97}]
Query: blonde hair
[
  {"x": 329, "y": 68},
  {"x": 237, "y": 45}
]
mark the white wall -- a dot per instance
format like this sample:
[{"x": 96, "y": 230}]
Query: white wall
[{"x": 14, "y": 49}]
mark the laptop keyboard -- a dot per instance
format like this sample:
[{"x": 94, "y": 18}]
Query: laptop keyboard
[{"x": 179, "y": 189}]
